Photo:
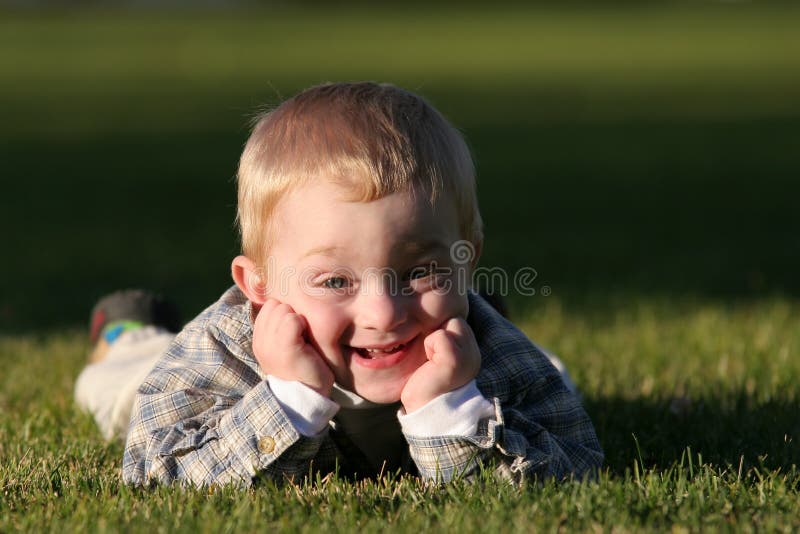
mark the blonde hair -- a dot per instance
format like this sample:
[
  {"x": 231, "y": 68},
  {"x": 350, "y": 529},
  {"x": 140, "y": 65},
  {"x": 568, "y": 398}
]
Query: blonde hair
[{"x": 374, "y": 139}]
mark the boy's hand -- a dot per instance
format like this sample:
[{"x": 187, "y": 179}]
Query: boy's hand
[
  {"x": 453, "y": 360},
  {"x": 282, "y": 349}
]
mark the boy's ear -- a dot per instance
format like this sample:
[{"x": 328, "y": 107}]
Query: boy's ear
[{"x": 250, "y": 279}]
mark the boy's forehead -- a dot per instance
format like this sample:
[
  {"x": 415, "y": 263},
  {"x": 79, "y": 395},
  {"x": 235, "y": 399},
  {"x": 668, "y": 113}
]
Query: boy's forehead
[
  {"x": 410, "y": 245},
  {"x": 335, "y": 199},
  {"x": 322, "y": 218}
]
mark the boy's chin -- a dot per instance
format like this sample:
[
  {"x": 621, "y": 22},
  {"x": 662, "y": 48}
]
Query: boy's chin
[{"x": 379, "y": 395}]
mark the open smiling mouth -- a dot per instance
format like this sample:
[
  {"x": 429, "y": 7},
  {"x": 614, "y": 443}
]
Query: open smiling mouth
[{"x": 379, "y": 353}]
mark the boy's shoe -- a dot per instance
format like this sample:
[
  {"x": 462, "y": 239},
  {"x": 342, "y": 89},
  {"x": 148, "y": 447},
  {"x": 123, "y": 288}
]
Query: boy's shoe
[{"x": 127, "y": 310}]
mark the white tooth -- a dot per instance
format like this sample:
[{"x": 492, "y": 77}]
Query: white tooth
[{"x": 391, "y": 349}]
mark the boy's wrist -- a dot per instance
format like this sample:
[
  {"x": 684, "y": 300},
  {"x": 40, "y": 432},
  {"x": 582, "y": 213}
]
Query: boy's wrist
[
  {"x": 419, "y": 399},
  {"x": 455, "y": 413},
  {"x": 308, "y": 410}
]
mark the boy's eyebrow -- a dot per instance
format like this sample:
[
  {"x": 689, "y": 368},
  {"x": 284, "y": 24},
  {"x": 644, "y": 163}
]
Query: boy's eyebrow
[
  {"x": 324, "y": 250},
  {"x": 428, "y": 245}
]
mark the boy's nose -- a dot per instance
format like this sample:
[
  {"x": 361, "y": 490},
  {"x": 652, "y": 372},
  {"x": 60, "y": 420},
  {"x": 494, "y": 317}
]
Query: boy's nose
[{"x": 381, "y": 311}]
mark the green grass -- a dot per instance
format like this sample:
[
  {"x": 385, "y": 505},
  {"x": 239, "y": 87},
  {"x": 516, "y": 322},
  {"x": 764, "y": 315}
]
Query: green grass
[
  {"x": 643, "y": 159},
  {"x": 725, "y": 458}
]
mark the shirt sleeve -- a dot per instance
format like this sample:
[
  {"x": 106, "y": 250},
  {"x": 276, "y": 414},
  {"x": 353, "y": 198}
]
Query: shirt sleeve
[
  {"x": 539, "y": 429},
  {"x": 543, "y": 433},
  {"x": 308, "y": 411},
  {"x": 457, "y": 413},
  {"x": 205, "y": 415}
]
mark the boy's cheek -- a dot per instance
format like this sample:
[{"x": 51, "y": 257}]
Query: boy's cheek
[
  {"x": 323, "y": 330},
  {"x": 454, "y": 293},
  {"x": 441, "y": 307}
]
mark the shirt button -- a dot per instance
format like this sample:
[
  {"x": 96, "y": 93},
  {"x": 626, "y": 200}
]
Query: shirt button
[{"x": 266, "y": 445}]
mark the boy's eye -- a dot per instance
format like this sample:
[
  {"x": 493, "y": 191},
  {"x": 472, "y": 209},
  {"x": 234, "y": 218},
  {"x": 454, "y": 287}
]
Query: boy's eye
[
  {"x": 337, "y": 282},
  {"x": 422, "y": 271}
]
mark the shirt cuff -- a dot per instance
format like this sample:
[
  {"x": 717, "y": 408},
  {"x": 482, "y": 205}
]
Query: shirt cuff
[
  {"x": 452, "y": 414},
  {"x": 308, "y": 411}
]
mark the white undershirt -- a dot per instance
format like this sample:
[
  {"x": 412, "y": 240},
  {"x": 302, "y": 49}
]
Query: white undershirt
[{"x": 452, "y": 414}]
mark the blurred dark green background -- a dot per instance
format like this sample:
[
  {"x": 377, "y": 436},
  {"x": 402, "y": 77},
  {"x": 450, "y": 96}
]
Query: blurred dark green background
[{"x": 626, "y": 151}]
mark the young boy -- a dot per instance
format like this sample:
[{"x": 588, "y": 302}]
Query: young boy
[{"x": 351, "y": 341}]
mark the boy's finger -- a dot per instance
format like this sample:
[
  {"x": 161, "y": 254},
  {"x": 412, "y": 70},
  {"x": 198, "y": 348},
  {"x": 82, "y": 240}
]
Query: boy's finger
[
  {"x": 264, "y": 314},
  {"x": 457, "y": 326},
  {"x": 458, "y": 331},
  {"x": 438, "y": 343},
  {"x": 430, "y": 343},
  {"x": 267, "y": 307},
  {"x": 276, "y": 319},
  {"x": 292, "y": 328}
]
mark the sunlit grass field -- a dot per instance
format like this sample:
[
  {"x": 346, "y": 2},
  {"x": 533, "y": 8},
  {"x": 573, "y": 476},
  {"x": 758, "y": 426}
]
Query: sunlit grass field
[{"x": 643, "y": 159}]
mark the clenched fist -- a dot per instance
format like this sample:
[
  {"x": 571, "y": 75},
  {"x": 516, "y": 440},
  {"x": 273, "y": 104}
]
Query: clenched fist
[
  {"x": 453, "y": 360},
  {"x": 281, "y": 347}
]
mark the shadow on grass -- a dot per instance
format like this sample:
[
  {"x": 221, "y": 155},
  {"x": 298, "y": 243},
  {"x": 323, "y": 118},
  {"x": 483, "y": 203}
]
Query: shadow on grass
[{"x": 725, "y": 431}]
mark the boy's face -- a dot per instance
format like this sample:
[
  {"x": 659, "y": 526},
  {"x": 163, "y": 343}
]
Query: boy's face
[{"x": 360, "y": 273}]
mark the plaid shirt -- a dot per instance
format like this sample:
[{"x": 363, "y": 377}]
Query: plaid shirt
[{"x": 206, "y": 415}]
